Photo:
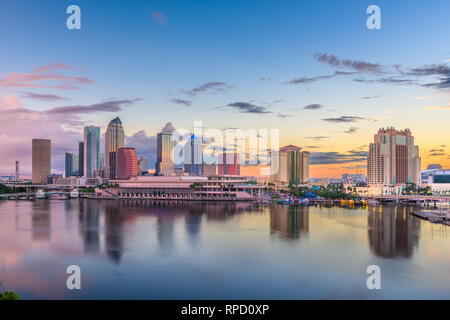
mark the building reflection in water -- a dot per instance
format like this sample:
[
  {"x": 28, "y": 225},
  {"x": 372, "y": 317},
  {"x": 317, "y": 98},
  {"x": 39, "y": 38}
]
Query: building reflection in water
[
  {"x": 40, "y": 221},
  {"x": 392, "y": 232},
  {"x": 115, "y": 218},
  {"x": 89, "y": 225},
  {"x": 289, "y": 222}
]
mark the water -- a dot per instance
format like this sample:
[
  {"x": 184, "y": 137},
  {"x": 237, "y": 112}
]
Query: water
[{"x": 191, "y": 250}]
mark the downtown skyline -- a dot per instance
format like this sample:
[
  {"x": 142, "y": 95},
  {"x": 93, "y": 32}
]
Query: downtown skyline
[{"x": 220, "y": 64}]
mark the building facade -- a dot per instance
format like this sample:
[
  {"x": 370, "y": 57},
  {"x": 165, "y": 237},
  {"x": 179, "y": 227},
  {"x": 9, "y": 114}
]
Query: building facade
[
  {"x": 229, "y": 164},
  {"x": 393, "y": 158},
  {"x": 68, "y": 164},
  {"x": 193, "y": 157},
  {"x": 127, "y": 163},
  {"x": 165, "y": 151},
  {"x": 80, "y": 158},
  {"x": 114, "y": 139},
  {"x": 290, "y": 165},
  {"x": 143, "y": 166},
  {"x": 91, "y": 151},
  {"x": 41, "y": 160}
]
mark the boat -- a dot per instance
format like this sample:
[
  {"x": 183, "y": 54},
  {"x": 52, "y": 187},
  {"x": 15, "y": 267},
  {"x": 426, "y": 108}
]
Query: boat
[
  {"x": 74, "y": 193},
  {"x": 373, "y": 202},
  {"x": 40, "y": 194}
]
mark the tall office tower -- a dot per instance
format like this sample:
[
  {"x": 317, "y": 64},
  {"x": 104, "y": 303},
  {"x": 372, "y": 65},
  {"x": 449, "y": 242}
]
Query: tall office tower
[
  {"x": 393, "y": 158},
  {"x": 75, "y": 162},
  {"x": 127, "y": 163},
  {"x": 193, "y": 156},
  {"x": 91, "y": 150},
  {"x": 290, "y": 165},
  {"x": 229, "y": 164},
  {"x": 81, "y": 159},
  {"x": 143, "y": 165},
  {"x": 164, "y": 154},
  {"x": 41, "y": 160},
  {"x": 69, "y": 164},
  {"x": 17, "y": 172},
  {"x": 101, "y": 161},
  {"x": 114, "y": 139}
]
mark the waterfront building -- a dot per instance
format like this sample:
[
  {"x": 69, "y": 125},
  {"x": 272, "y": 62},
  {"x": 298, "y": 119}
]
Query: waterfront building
[
  {"x": 393, "y": 158},
  {"x": 114, "y": 139},
  {"x": 353, "y": 178},
  {"x": 91, "y": 150},
  {"x": 193, "y": 156},
  {"x": 80, "y": 158},
  {"x": 229, "y": 164},
  {"x": 165, "y": 151},
  {"x": 187, "y": 187},
  {"x": 127, "y": 163},
  {"x": 436, "y": 176},
  {"x": 41, "y": 160},
  {"x": 290, "y": 165}
]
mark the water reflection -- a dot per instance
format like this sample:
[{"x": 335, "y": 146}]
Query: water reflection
[
  {"x": 392, "y": 232},
  {"x": 89, "y": 225},
  {"x": 289, "y": 222},
  {"x": 40, "y": 222}
]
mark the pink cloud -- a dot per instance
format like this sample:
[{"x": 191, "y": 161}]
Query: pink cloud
[
  {"x": 42, "y": 77},
  {"x": 159, "y": 17}
]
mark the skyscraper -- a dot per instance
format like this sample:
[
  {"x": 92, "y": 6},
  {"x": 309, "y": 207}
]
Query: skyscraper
[
  {"x": 41, "y": 160},
  {"x": 81, "y": 159},
  {"x": 290, "y": 165},
  {"x": 143, "y": 165},
  {"x": 114, "y": 139},
  {"x": 393, "y": 158},
  {"x": 127, "y": 163},
  {"x": 69, "y": 164},
  {"x": 229, "y": 164},
  {"x": 91, "y": 150},
  {"x": 17, "y": 171},
  {"x": 164, "y": 154},
  {"x": 193, "y": 156}
]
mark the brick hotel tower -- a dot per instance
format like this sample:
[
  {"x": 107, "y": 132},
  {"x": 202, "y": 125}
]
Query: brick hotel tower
[{"x": 393, "y": 158}]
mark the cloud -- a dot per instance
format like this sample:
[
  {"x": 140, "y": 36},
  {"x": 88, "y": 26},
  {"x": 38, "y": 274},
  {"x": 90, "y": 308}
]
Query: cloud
[
  {"x": 107, "y": 106},
  {"x": 351, "y": 130},
  {"x": 186, "y": 103},
  {"x": 343, "y": 119},
  {"x": 318, "y": 138},
  {"x": 159, "y": 17},
  {"x": 358, "y": 65},
  {"x": 283, "y": 115},
  {"x": 369, "y": 97},
  {"x": 42, "y": 97},
  {"x": 305, "y": 80},
  {"x": 245, "y": 107},
  {"x": 336, "y": 157},
  {"x": 388, "y": 80},
  {"x": 40, "y": 79},
  {"x": 265, "y": 79},
  {"x": 145, "y": 146},
  {"x": 213, "y": 86},
  {"x": 431, "y": 108},
  {"x": 314, "y": 106}
]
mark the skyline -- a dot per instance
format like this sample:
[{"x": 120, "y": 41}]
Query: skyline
[{"x": 238, "y": 64}]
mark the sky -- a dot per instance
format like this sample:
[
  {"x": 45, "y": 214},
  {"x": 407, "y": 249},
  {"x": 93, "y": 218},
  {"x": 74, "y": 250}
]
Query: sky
[{"x": 311, "y": 69}]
